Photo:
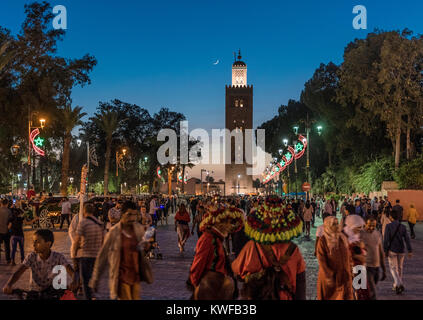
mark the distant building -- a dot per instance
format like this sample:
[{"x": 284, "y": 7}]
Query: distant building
[
  {"x": 238, "y": 116},
  {"x": 193, "y": 187}
]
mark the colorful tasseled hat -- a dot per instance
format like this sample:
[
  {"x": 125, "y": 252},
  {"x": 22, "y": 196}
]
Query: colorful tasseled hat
[
  {"x": 272, "y": 222},
  {"x": 233, "y": 214}
]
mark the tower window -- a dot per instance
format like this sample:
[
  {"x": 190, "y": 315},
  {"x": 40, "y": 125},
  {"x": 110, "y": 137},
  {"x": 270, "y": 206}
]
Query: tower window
[
  {"x": 236, "y": 103},
  {"x": 241, "y": 103}
]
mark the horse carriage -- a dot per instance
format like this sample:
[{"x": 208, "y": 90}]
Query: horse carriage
[{"x": 46, "y": 214}]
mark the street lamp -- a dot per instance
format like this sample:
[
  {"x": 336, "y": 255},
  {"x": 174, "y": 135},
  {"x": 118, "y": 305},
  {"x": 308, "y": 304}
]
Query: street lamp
[
  {"x": 295, "y": 171},
  {"x": 296, "y": 129},
  {"x": 78, "y": 142},
  {"x": 71, "y": 181},
  {"x": 239, "y": 177},
  {"x": 280, "y": 152},
  {"x": 285, "y": 142},
  {"x": 14, "y": 150},
  {"x": 201, "y": 178},
  {"x": 30, "y": 128},
  {"x": 169, "y": 179},
  {"x": 119, "y": 158},
  {"x": 319, "y": 130}
]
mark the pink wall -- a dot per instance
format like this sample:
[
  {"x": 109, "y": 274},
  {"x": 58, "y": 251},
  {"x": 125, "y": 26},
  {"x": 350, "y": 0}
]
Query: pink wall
[{"x": 406, "y": 197}]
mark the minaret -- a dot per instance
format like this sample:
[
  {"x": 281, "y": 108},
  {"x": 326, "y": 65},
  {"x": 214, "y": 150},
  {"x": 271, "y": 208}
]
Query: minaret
[
  {"x": 239, "y": 72},
  {"x": 238, "y": 116}
]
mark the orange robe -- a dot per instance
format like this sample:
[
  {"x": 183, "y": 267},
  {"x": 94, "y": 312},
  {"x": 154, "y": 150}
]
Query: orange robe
[
  {"x": 248, "y": 262},
  {"x": 335, "y": 266},
  {"x": 210, "y": 255}
]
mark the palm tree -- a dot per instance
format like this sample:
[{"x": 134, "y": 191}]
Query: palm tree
[
  {"x": 69, "y": 119},
  {"x": 108, "y": 121}
]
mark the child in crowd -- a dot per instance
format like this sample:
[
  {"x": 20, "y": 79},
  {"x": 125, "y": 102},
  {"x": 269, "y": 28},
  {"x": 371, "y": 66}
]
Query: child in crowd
[{"x": 42, "y": 263}]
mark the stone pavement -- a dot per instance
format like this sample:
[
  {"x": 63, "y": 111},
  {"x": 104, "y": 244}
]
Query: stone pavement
[{"x": 171, "y": 273}]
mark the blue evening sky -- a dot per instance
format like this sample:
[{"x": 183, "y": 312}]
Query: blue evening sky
[{"x": 161, "y": 53}]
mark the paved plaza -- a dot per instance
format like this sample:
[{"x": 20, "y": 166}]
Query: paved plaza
[{"x": 171, "y": 273}]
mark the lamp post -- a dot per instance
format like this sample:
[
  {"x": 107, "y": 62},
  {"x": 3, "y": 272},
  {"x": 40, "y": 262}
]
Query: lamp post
[
  {"x": 79, "y": 143},
  {"x": 285, "y": 143},
  {"x": 169, "y": 179},
  {"x": 71, "y": 181},
  {"x": 295, "y": 170},
  {"x": 201, "y": 178},
  {"x": 307, "y": 122},
  {"x": 280, "y": 174},
  {"x": 14, "y": 150},
  {"x": 119, "y": 158},
  {"x": 239, "y": 187},
  {"x": 30, "y": 127}
]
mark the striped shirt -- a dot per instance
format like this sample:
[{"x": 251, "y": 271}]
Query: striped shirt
[{"x": 91, "y": 237}]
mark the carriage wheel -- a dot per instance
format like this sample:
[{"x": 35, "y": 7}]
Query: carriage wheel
[{"x": 44, "y": 220}]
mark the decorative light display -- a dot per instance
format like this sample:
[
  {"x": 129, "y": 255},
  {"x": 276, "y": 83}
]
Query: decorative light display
[
  {"x": 159, "y": 173},
  {"x": 37, "y": 143},
  {"x": 287, "y": 159},
  {"x": 300, "y": 147}
]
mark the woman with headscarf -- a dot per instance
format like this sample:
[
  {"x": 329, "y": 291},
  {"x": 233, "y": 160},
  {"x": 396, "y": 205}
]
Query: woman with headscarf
[
  {"x": 353, "y": 226},
  {"x": 334, "y": 280},
  {"x": 182, "y": 220}
]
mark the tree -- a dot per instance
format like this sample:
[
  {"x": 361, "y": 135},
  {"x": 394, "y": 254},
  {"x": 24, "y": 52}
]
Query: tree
[
  {"x": 36, "y": 79},
  {"x": 382, "y": 75},
  {"x": 68, "y": 118},
  {"x": 410, "y": 174},
  {"x": 108, "y": 122}
]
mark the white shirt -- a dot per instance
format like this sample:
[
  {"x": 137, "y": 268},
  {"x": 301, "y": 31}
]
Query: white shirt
[
  {"x": 153, "y": 206},
  {"x": 66, "y": 207}
]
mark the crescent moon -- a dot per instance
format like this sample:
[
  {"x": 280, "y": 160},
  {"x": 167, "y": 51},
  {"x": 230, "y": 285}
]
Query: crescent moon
[{"x": 217, "y": 62}]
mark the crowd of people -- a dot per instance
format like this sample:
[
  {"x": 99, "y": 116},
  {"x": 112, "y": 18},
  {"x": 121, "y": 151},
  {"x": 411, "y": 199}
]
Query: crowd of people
[{"x": 245, "y": 245}]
